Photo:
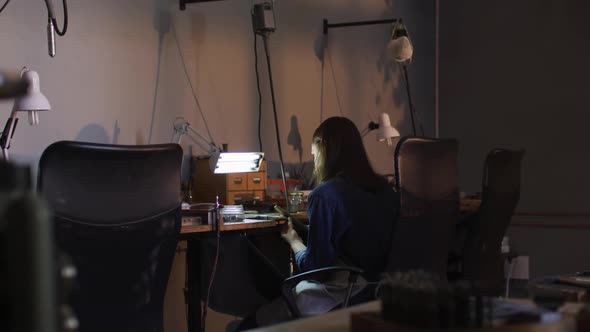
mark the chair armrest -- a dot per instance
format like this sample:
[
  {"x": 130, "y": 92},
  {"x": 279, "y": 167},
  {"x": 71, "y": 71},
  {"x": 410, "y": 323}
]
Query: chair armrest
[
  {"x": 293, "y": 280},
  {"x": 321, "y": 273}
]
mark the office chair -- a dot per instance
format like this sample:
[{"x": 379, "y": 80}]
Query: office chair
[
  {"x": 116, "y": 212},
  {"x": 28, "y": 282},
  {"x": 482, "y": 260},
  {"x": 426, "y": 180}
]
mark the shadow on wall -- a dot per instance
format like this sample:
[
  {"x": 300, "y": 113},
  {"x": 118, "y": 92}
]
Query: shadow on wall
[
  {"x": 94, "y": 133},
  {"x": 294, "y": 138}
]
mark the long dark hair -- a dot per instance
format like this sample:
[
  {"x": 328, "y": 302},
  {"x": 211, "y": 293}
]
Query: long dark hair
[{"x": 341, "y": 153}]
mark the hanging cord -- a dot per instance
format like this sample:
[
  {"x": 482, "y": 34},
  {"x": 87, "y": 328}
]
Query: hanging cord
[
  {"x": 259, "y": 92},
  {"x": 323, "y": 61},
  {"x": 4, "y": 5},
  {"x": 410, "y": 104},
  {"x": 215, "y": 260},
  {"x": 190, "y": 83},
  {"x": 274, "y": 109},
  {"x": 51, "y": 16},
  {"x": 334, "y": 80},
  {"x": 512, "y": 264}
]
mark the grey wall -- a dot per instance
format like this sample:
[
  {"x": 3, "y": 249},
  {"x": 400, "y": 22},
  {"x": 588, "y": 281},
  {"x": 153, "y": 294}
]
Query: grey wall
[
  {"x": 515, "y": 74},
  {"x": 118, "y": 76}
]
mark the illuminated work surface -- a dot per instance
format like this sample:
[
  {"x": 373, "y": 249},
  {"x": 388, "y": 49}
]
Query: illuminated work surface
[
  {"x": 235, "y": 226},
  {"x": 466, "y": 206}
]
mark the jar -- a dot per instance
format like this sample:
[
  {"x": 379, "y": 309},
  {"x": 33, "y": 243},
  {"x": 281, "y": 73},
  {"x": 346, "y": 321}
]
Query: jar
[{"x": 295, "y": 201}]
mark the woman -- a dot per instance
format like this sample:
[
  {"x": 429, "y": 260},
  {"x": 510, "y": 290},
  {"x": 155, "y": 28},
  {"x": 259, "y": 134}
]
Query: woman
[
  {"x": 352, "y": 212},
  {"x": 352, "y": 215}
]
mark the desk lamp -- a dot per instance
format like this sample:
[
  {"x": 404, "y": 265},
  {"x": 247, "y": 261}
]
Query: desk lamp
[
  {"x": 220, "y": 162},
  {"x": 386, "y": 130},
  {"x": 32, "y": 102},
  {"x": 400, "y": 49}
]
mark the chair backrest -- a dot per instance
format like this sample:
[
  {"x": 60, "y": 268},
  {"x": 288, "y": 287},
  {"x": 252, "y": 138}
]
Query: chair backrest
[
  {"x": 500, "y": 194},
  {"x": 116, "y": 210},
  {"x": 426, "y": 179}
]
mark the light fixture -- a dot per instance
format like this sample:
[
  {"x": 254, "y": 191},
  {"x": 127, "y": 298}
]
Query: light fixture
[
  {"x": 220, "y": 162},
  {"x": 400, "y": 46},
  {"x": 401, "y": 50},
  {"x": 386, "y": 132},
  {"x": 32, "y": 102}
]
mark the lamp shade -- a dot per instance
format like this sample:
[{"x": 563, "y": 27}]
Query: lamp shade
[
  {"x": 385, "y": 129},
  {"x": 34, "y": 100},
  {"x": 400, "y": 47}
]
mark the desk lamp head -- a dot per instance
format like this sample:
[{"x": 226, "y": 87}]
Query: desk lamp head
[{"x": 32, "y": 102}]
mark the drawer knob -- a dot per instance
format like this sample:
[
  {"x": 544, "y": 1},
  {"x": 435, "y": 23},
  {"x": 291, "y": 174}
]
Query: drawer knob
[
  {"x": 238, "y": 180},
  {"x": 257, "y": 179}
]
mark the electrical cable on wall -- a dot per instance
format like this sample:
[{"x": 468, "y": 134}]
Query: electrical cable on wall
[
  {"x": 190, "y": 83},
  {"x": 410, "y": 104},
  {"x": 512, "y": 263},
  {"x": 259, "y": 92},
  {"x": 263, "y": 22},
  {"x": 215, "y": 260},
  {"x": 4, "y": 5},
  {"x": 335, "y": 81}
]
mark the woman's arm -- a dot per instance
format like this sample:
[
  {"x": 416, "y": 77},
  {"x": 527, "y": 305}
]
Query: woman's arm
[{"x": 293, "y": 239}]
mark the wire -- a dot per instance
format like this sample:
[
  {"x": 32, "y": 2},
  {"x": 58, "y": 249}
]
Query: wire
[
  {"x": 214, "y": 268},
  {"x": 274, "y": 109},
  {"x": 334, "y": 80},
  {"x": 365, "y": 132},
  {"x": 190, "y": 83},
  {"x": 65, "y": 26},
  {"x": 4, "y": 5},
  {"x": 324, "y": 49},
  {"x": 259, "y": 92},
  {"x": 512, "y": 264},
  {"x": 410, "y": 104},
  {"x": 51, "y": 16}
]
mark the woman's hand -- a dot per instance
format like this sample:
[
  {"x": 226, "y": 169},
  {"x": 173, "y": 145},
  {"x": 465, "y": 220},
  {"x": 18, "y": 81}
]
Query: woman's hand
[{"x": 290, "y": 235}]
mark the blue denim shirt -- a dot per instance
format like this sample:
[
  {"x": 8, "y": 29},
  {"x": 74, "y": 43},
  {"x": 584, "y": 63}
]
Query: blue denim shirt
[{"x": 349, "y": 223}]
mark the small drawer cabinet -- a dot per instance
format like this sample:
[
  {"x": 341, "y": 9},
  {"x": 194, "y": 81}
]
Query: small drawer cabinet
[{"x": 233, "y": 188}]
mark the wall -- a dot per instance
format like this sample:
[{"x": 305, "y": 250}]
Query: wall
[
  {"x": 119, "y": 77},
  {"x": 514, "y": 74}
]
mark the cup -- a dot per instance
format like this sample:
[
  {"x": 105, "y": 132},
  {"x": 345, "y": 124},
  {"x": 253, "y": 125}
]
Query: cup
[{"x": 295, "y": 201}]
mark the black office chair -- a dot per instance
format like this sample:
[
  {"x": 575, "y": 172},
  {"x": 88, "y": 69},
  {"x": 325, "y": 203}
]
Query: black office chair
[
  {"x": 482, "y": 260},
  {"x": 117, "y": 215},
  {"x": 426, "y": 179}
]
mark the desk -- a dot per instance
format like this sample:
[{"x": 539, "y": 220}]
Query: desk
[
  {"x": 335, "y": 321},
  {"x": 339, "y": 320},
  {"x": 193, "y": 235}
]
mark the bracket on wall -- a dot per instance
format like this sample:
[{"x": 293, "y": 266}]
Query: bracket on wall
[{"x": 184, "y": 2}]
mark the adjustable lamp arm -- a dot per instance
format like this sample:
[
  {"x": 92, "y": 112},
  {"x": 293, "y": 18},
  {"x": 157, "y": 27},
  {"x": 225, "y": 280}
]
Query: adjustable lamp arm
[
  {"x": 7, "y": 133},
  {"x": 181, "y": 127}
]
